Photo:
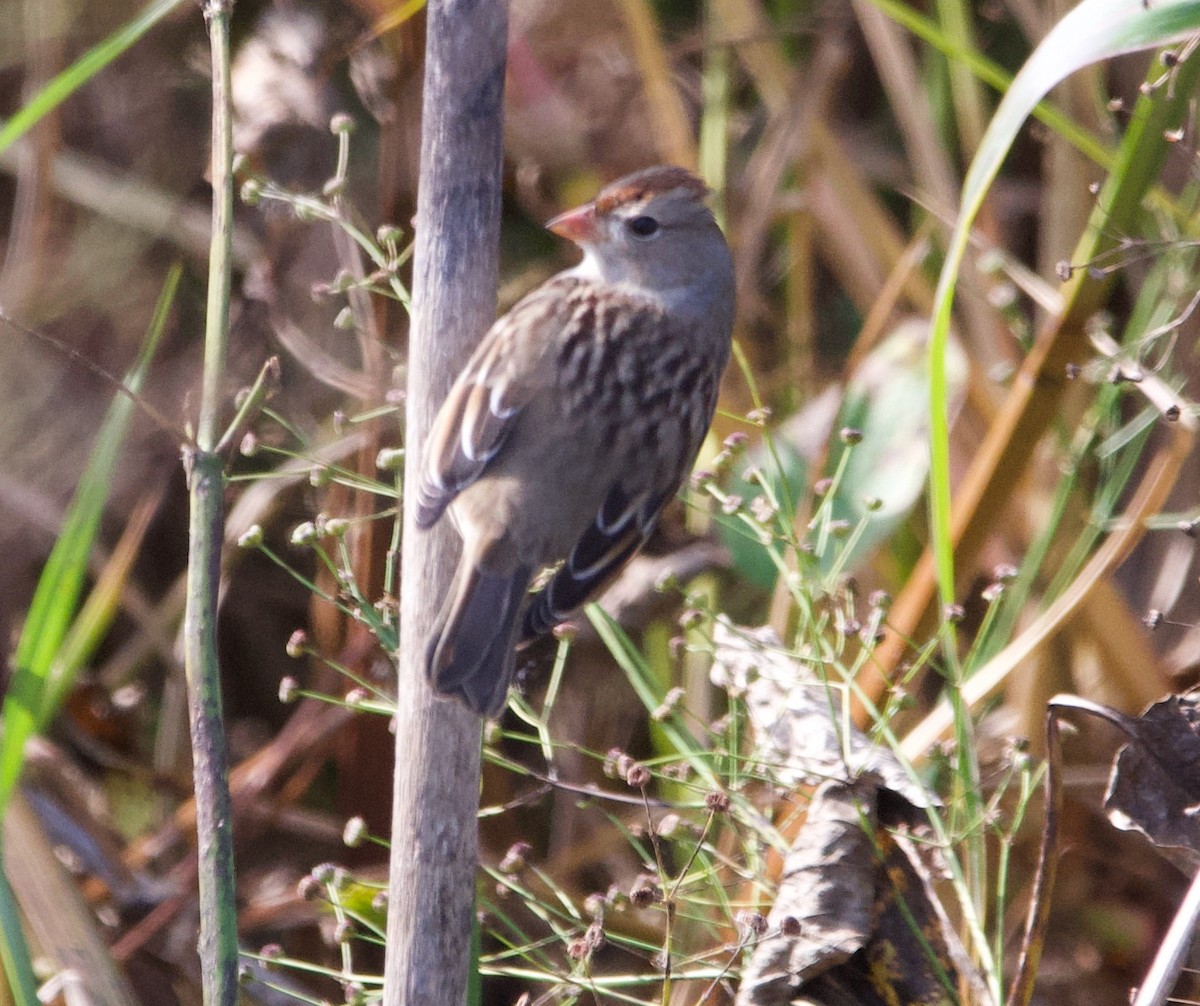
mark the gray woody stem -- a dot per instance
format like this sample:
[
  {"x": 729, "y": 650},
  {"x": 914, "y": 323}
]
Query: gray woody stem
[{"x": 432, "y": 884}]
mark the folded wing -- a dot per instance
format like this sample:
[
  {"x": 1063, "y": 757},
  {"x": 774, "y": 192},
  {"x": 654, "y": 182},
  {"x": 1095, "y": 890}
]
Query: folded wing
[{"x": 620, "y": 529}]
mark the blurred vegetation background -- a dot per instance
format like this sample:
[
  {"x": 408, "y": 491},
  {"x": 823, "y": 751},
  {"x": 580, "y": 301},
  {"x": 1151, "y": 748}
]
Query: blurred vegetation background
[{"x": 835, "y": 136}]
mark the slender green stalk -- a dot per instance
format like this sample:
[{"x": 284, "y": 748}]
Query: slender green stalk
[
  {"x": 261, "y": 390},
  {"x": 218, "y": 918},
  {"x": 216, "y": 332}
]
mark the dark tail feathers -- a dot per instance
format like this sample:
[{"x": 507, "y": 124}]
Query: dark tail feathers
[{"x": 471, "y": 649}]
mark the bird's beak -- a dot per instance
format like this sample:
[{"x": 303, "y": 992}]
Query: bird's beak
[{"x": 575, "y": 225}]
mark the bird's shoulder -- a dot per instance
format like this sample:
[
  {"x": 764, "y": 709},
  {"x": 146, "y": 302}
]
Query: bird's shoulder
[
  {"x": 570, "y": 305},
  {"x": 513, "y": 366}
]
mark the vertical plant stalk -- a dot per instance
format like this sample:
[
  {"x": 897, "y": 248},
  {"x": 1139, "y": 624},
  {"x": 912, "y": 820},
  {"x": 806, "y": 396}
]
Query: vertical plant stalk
[
  {"x": 1038, "y": 916},
  {"x": 214, "y": 826},
  {"x": 431, "y": 891}
]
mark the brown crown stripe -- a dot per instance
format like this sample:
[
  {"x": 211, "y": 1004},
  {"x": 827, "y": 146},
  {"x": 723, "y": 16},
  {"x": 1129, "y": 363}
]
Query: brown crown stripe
[{"x": 651, "y": 182}]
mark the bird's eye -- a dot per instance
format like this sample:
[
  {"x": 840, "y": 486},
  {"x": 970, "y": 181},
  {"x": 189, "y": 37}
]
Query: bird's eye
[{"x": 643, "y": 227}]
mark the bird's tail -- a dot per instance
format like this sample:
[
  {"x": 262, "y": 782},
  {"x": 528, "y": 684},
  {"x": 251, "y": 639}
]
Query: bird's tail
[{"x": 471, "y": 648}]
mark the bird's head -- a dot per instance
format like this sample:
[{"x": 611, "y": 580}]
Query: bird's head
[{"x": 651, "y": 229}]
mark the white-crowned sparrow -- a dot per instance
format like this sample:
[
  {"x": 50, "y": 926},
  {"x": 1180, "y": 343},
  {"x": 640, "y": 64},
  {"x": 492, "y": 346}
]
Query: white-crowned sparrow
[{"x": 576, "y": 419}]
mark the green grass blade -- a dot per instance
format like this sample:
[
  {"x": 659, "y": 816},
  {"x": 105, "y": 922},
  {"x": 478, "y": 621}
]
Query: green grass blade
[
  {"x": 1092, "y": 31},
  {"x": 641, "y": 677},
  {"x": 82, "y": 70},
  {"x": 14, "y": 952},
  {"x": 966, "y": 97},
  {"x": 995, "y": 76},
  {"x": 474, "y": 979},
  {"x": 89, "y": 628},
  {"x": 26, "y": 706}
]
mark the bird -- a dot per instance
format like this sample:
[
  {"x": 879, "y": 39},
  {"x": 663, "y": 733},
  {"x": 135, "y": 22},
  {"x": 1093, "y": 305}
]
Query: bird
[{"x": 574, "y": 422}]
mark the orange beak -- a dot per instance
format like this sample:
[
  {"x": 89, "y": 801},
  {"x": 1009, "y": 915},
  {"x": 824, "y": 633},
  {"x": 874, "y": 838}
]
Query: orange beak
[{"x": 575, "y": 225}]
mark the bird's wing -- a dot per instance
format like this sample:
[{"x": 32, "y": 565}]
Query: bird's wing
[
  {"x": 620, "y": 529},
  {"x": 470, "y": 428},
  {"x": 628, "y": 515},
  {"x": 482, "y": 406}
]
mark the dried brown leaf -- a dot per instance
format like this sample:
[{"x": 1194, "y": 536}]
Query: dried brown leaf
[
  {"x": 1154, "y": 787},
  {"x": 856, "y": 919}
]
